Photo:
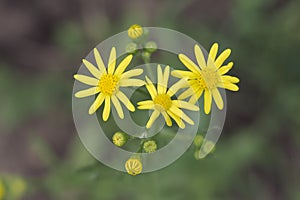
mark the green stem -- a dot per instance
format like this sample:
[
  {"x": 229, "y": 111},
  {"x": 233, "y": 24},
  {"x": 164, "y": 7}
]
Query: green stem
[{"x": 150, "y": 72}]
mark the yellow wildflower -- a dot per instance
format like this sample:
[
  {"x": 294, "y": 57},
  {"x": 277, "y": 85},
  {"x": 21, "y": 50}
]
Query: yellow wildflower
[
  {"x": 162, "y": 103},
  {"x": 207, "y": 76},
  {"x": 108, "y": 82}
]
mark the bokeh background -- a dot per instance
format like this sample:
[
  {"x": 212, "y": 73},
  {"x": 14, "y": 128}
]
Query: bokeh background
[{"x": 42, "y": 43}]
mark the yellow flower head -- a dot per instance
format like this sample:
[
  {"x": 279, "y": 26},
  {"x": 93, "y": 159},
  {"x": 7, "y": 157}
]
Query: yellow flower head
[
  {"x": 119, "y": 139},
  {"x": 207, "y": 76},
  {"x": 135, "y": 31},
  {"x": 162, "y": 103},
  {"x": 107, "y": 83},
  {"x": 2, "y": 190},
  {"x": 133, "y": 166},
  {"x": 150, "y": 146}
]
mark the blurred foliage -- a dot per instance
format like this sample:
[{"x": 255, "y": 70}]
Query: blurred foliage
[{"x": 257, "y": 156}]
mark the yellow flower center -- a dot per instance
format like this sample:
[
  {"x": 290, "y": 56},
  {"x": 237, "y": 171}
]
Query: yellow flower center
[
  {"x": 162, "y": 102},
  {"x": 108, "y": 84},
  {"x": 133, "y": 166},
  {"x": 209, "y": 78}
]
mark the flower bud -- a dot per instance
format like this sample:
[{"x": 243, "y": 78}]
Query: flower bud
[
  {"x": 150, "y": 146},
  {"x": 135, "y": 31},
  {"x": 146, "y": 56},
  {"x": 133, "y": 166},
  {"x": 209, "y": 147},
  {"x": 198, "y": 140},
  {"x": 197, "y": 155},
  {"x": 151, "y": 46},
  {"x": 119, "y": 139},
  {"x": 131, "y": 47}
]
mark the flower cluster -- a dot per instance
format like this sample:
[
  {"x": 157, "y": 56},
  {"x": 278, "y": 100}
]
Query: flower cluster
[{"x": 205, "y": 76}]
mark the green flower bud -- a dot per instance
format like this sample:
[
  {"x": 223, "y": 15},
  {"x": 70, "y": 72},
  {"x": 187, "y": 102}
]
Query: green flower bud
[
  {"x": 197, "y": 155},
  {"x": 131, "y": 47},
  {"x": 198, "y": 140},
  {"x": 146, "y": 56},
  {"x": 119, "y": 139},
  {"x": 150, "y": 146},
  {"x": 151, "y": 46},
  {"x": 209, "y": 147}
]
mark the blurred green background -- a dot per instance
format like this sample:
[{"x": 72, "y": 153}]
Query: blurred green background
[{"x": 42, "y": 43}]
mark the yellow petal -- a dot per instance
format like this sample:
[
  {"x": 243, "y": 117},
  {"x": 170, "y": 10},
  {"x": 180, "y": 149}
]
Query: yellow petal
[
  {"x": 87, "y": 92},
  {"x": 152, "y": 118},
  {"x": 213, "y": 51},
  {"x": 145, "y": 102},
  {"x": 178, "y": 121},
  {"x": 97, "y": 103},
  {"x": 178, "y": 85},
  {"x": 118, "y": 106},
  {"x": 167, "y": 119},
  {"x": 212, "y": 55},
  {"x": 189, "y": 63},
  {"x": 225, "y": 69},
  {"x": 199, "y": 56},
  {"x": 99, "y": 61},
  {"x": 123, "y": 98},
  {"x": 151, "y": 89},
  {"x": 86, "y": 79},
  {"x": 185, "y": 105},
  {"x": 131, "y": 82},
  {"x": 181, "y": 114},
  {"x": 229, "y": 86},
  {"x": 183, "y": 74},
  {"x": 222, "y": 57},
  {"x": 230, "y": 79},
  {"x": 106, "y": 110},
  {"x": 94, "y": 71},
  {"x": 123, "y": 65},
  {"x": 193, "y": 99},
  {"x": 199, "y": 93},
  {"x": 146, "y": 105},
  {"x": 166, "y": 79},
  {"x": 207, "y": 101},
  {"x": 112, "y": 61},
  {"x": 160, "y": 80},
  {"x": 131, "y": 73},
  {"x": 187, "y": 93},
  {"x": 218, "y": 98}
]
